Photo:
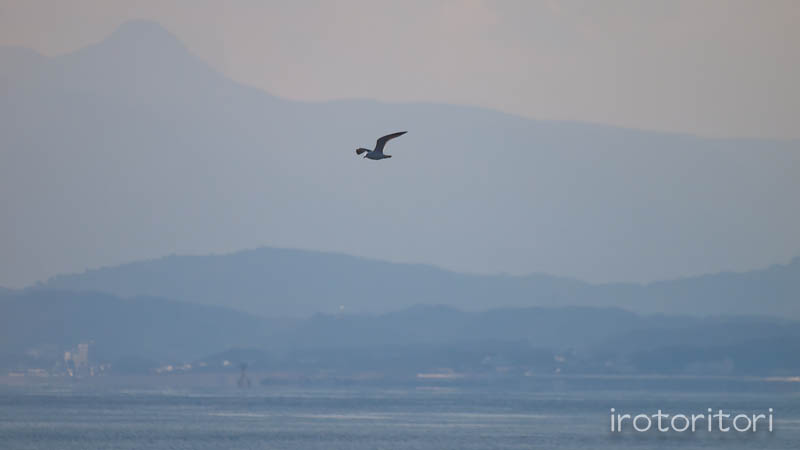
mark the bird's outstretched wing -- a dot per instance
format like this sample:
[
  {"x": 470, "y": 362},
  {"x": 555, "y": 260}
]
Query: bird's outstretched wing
[{"x": 382, "y": 141}]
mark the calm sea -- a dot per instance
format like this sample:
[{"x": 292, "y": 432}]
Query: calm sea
[{"x": 571, "y": 415}]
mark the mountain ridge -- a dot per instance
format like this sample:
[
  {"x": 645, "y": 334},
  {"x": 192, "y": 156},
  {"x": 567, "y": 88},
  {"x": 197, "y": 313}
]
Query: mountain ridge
[
  {"x": 142, "y": 334},
  {"x": 279, "y": 281}
]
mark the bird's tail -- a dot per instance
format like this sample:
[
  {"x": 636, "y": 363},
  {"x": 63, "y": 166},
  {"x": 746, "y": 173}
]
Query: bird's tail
[{"x": 361, "y": 150}]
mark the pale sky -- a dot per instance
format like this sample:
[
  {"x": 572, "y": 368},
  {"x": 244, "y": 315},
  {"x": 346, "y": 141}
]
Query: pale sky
[{"x": 712, "y": 68}]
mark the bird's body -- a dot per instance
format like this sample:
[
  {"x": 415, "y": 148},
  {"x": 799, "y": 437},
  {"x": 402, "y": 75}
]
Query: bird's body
[
  {"x": 376, "y": 156},
  {"x": 377, "y": 153}
]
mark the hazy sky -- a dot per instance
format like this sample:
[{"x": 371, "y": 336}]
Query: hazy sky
[{"x": 714, "y": 68}]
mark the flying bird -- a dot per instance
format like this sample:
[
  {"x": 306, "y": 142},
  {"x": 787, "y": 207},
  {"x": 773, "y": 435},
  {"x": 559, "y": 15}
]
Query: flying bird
[{"x": 378, "y": 152}]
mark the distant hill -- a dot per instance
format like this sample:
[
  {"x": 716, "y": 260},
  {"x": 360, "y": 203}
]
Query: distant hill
[
  {"x": 53, "y": 321},
  {"x": 138, "y": 334},
  {"x": 274, "y": 282},
  {"x": 133, "y": 147}
]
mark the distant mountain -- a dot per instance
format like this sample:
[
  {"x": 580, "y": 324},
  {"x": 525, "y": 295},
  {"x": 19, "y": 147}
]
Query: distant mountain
[
  {"x": 133, "y": 147},
  {"x": 274, "y": 282},
  {"x": 137, "y": 335},
  {"x": 50, "y": 322}
]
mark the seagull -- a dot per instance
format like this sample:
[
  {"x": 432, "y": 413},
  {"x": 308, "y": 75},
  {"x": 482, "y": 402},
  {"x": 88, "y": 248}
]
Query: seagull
[{"x": 378, "y": 152}]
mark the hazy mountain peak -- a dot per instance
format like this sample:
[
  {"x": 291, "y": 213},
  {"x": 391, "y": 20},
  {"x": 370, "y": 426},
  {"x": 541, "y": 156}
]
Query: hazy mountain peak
[
  {"x": 138, "y": 62},
  {"x": 144, "y": 35}
]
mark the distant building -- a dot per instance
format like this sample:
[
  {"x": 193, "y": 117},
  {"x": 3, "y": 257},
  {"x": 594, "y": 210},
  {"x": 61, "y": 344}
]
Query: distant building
[
  {"x": 77, "y": 361},
  {"x": 82, "y": 358}
]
